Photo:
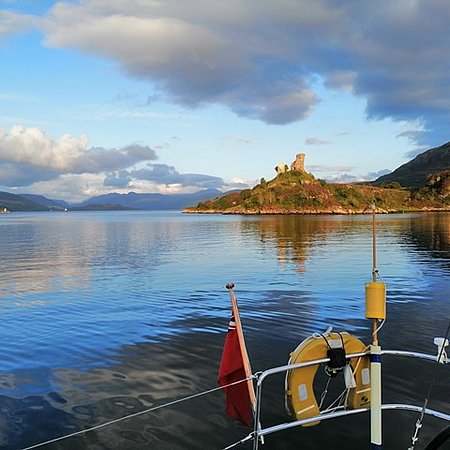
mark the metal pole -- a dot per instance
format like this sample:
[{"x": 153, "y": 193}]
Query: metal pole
[
  {"x": 375, "y": 360},
  {"x": 374, "y": 271},
  {"x": 374, "y": 245}
]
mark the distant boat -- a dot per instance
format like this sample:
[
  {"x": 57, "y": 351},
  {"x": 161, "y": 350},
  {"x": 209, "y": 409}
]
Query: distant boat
[{"x": 5, "y": 211}]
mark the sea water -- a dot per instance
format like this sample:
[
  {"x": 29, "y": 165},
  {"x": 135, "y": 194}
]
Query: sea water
[{"x": 106, "y": 314}]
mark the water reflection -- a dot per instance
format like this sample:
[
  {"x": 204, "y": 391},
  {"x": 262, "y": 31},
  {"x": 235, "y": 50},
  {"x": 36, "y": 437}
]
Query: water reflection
[
  {"x": 294, "y": 235},
  {"x": 126, "y": 311},
  {"x": 431, "y": 233},
  {"x": 144, "y": 375}
]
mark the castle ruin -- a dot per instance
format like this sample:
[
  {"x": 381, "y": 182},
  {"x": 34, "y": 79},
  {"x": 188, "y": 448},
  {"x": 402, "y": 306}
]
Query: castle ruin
[
  {"x": 299, "y": 163},
  {"x": 281, "y": 168}
]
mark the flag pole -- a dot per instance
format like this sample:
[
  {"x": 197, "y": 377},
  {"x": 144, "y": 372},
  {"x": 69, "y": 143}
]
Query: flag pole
[{"x": 240, "y": 334}]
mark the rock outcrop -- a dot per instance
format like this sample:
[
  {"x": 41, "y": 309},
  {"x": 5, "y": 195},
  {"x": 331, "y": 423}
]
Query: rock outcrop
[{"x": 440, "y": 182}]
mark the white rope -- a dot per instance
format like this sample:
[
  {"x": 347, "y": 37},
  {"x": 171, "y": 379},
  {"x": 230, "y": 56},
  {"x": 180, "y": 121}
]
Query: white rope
[
  {"x": 379, "y": 328},
  {"x": 242, "y": 441},
  {"x": 120, "y": 419},
  {"x": 339, "y": 401},
  {"x": 324, "y": 393}
]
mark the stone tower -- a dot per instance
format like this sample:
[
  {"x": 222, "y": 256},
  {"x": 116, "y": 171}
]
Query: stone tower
[{"x": 299, "y": 163}]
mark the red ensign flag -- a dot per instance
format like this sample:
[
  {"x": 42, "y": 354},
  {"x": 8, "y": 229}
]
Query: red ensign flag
[{"x": 238, "y": 404}]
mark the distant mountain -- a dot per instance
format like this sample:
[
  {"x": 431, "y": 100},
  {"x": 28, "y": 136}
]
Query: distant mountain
[
  {"x": 13, "y": 202},
  {"x": 47, "y": 202},
  {"x": 151, "y": 201},
  {"x": 101, "y": 208},
  {"x": 113, "y": 201},
  {"x": 416, "y": 173}
]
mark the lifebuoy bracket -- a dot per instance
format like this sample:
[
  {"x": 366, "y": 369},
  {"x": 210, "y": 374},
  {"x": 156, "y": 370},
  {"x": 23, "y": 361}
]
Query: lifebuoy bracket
[{"x": 337, "y": 358}]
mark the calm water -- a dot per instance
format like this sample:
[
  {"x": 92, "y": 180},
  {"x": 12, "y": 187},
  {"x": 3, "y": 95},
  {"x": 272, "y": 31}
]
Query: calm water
[{"x": 107, "y": 314}]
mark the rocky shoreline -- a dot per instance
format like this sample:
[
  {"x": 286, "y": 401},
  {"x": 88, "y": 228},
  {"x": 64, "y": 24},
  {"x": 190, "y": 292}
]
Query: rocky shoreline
[{"x": 310, "y": 212}]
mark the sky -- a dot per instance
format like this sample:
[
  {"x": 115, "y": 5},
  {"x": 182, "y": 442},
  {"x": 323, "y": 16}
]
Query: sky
[{"x": 176, "y": 96}]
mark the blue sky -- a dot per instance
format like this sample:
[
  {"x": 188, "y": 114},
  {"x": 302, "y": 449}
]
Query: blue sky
[{"x": 176, "y": 96}]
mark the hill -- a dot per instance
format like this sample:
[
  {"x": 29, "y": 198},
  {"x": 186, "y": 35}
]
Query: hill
[
  {"x": 47, "y": 202},
  {"x": 113, "y": 201},
  {"x": 416, "y": 172},
  {"x": 298, "y": 192},
  {"x": 13, "y": 202},
  {"x": 151, "y": 201},
  {"x": 106, "y": 207}
]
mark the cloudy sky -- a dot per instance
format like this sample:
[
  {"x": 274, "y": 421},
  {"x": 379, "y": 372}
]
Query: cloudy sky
[{"x": 180, "y": 95}]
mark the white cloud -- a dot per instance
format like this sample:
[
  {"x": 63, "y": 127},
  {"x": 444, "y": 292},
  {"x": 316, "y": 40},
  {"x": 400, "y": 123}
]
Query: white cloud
[
  {"x": 260, "y": 58},
  {"x": 12, "y": 23},
  {"x": 162, "y": 174},
  {"x": 344, "y": 177},
  {"x": 77, "y": 188},
  {"x": 238, "y": 183},
  {"x": 315, "y": 141},
  {"x": 327, "y": 168},
  {"x": 29, "y": 154},
  {"x": 71, "y": 188},
  {"x": 67, "y": 168},
  {"x": 204, "y": 57},
  {"x": 33, "y": 147}
]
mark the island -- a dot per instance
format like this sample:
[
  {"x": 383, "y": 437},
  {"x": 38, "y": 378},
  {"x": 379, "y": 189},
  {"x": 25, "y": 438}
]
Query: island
[{"x": 295, "y": 191}]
